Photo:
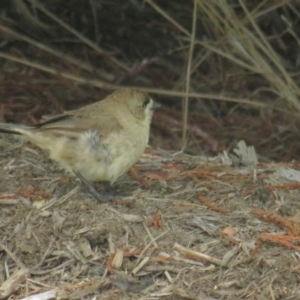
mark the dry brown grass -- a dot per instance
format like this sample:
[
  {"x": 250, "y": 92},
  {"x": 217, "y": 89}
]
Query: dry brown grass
[{"x": 212, "y": 51}]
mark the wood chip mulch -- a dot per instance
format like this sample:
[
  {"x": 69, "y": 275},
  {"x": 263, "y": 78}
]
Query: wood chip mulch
[{"x": 184, "y": 227}]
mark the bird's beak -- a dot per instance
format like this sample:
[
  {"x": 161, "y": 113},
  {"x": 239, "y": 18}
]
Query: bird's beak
[{"x": 156, "y": 105}]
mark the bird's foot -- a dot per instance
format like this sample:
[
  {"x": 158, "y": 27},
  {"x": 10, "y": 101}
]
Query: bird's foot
[{"x": 102, "y": 197}]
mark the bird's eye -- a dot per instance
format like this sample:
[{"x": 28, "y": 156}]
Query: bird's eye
[{"x": 146, "y": 102}]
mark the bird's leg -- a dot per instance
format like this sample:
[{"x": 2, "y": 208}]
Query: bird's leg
[
  {"x": 92, "y": 189},
  {"x": 109, "y": 189}
]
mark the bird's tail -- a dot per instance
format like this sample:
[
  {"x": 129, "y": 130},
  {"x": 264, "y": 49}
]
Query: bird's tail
[{"x": 13, "y": 128}]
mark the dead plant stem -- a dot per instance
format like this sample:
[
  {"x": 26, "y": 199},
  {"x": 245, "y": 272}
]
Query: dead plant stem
[{"x": 188, "y": 79}]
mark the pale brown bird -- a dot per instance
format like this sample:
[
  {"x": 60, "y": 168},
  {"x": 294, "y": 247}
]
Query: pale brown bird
[{"x": 98, "y": 142}]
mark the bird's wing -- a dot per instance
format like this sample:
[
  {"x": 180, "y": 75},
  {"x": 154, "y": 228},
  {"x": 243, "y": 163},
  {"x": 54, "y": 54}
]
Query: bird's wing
[{"x": 71, "y": 124}]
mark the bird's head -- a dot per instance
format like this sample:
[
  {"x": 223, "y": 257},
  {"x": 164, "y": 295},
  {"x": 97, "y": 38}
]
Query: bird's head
[{"x": 140, "y": 104}]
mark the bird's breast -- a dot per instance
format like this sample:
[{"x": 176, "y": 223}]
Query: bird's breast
[
  {"x": 125, "y": 152},
  {"x": 100, "y": 158}
]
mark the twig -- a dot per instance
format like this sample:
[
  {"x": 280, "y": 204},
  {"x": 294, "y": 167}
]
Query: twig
[
  {"x": 140, "y": 265},
  {"x": 12, "y": 256},
  {"x": 12, "y": 283},
  {"x": 61, "y": 200},
  {"x": 150, "y": 235},
  {"x": 148, "y": 246},
  {"x": 197, "y": 254}
]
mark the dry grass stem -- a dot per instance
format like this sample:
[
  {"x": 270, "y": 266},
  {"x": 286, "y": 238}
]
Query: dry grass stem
[
  {"x": 188, "y": 79},
  {"x": 81, "y": 37}
]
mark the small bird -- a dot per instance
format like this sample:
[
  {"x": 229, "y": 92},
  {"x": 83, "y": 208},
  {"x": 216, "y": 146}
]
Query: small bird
[{"x": 98, "y": 142}]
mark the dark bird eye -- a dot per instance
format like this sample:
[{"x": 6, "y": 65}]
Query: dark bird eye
[{"x": 146, "y": 102}]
